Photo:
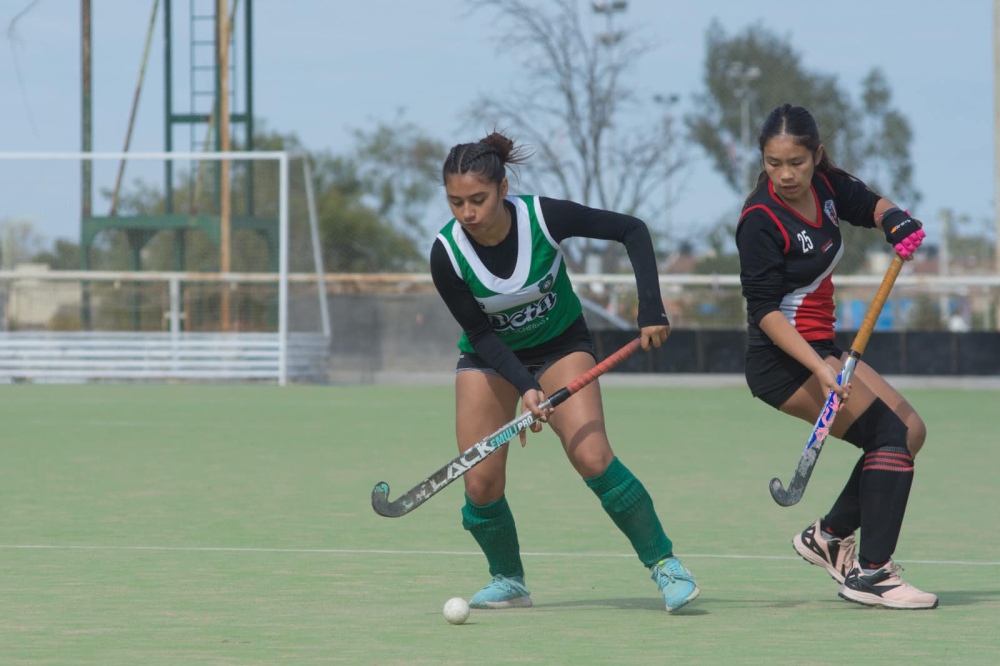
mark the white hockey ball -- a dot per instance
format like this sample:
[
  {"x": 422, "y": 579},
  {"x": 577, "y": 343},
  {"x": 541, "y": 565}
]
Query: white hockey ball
[{"x": 456, "y": 610}]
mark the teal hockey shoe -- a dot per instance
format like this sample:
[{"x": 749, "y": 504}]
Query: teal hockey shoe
[
  {"x": 675, "y": 582},
  {"x": 502, "y": 592}
]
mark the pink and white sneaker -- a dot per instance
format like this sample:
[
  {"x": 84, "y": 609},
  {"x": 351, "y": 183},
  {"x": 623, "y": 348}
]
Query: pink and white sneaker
[
  {"x": 833, "y": 554},
  {"x": 884, "y": 588}
]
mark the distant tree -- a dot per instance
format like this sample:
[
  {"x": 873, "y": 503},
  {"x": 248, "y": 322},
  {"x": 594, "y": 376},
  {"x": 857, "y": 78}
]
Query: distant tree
[
  {"x": 970, "y": 241},
  {"x": 19, "y": 242},
  {"x": 596, "y": 140},
  {"x": 64, "y": 255},
  {"x": 752, "y": 72},
  {"x": 721, "y": 257},
  {"x": 355, "y": 236},
  {"x": 373, "y": 210},
  {"x": 885, "y": 145},
  {"x": 883, "y": 162},
  {"x": 399, "y": 169}
]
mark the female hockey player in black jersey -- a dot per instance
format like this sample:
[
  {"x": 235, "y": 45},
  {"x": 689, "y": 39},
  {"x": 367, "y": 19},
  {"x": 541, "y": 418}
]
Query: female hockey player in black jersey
[
  {"x": 499, "y": 268},
  {"x": 789, "y": 244}
]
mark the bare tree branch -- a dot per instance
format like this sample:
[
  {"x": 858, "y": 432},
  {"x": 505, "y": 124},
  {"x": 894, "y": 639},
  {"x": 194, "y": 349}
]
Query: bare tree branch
[{"x": 577, "y": 112}]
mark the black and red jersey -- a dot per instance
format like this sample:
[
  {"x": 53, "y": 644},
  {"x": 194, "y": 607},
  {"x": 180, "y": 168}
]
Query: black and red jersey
[{"x": 787, "y": 261}]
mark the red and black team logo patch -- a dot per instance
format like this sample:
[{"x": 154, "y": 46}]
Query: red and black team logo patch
[{"x": 831, "y": 212}]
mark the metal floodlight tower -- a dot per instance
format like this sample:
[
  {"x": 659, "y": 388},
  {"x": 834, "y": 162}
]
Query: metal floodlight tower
[
  {"x": 208, "y": 105},
  {"x": 210, "y": 122}
]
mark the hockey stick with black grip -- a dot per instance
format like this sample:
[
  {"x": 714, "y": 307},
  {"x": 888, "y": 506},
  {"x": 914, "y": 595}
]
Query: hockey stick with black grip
[
  {"x": 807, "y": 461},
  {"x": 478, "y": 452}
]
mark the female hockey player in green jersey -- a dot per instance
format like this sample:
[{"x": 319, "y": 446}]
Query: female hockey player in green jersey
[{"x": 500, "y": 270}]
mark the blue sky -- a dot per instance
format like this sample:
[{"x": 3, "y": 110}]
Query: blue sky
[{"x": 323, "y": 68}]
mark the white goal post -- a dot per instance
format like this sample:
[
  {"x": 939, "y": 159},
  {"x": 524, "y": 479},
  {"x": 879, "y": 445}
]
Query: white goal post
[{"x": 46, "y": 189}]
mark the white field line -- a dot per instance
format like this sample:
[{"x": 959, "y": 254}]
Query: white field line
[{"x": 369, "y": 551}]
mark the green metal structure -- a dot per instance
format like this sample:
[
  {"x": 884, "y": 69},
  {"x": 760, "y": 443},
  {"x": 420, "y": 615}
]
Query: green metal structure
[{"x": 204, "y": 126}]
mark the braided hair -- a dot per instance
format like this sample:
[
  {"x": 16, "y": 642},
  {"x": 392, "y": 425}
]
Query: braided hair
[{"x": 486, "y": 158}]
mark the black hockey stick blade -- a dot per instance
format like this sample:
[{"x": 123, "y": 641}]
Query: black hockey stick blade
[
  {"x": 807, "y": 461},
  {"x": 797, "y": 486},
  {"x": 381, "y": 503}
]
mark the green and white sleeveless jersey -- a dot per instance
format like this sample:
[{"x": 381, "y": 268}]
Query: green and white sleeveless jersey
[{"x": 536, "y": 303}]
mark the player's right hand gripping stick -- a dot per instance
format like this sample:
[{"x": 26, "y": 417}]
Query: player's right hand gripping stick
[{"x": 902, "y": 231}]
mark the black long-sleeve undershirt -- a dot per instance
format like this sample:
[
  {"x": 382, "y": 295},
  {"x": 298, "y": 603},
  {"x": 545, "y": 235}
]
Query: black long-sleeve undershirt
[{"x": 564, "y": 219}]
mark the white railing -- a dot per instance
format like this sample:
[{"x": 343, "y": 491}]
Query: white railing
[
  {"x": 88, "y": 356},
  {"x": 35, "y": 350}
]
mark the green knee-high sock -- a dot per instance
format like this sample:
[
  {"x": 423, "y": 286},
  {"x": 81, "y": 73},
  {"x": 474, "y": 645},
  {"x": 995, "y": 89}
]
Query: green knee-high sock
[
  {"x": 625, "y": 499},
  {"x": 492, "y": 526}
]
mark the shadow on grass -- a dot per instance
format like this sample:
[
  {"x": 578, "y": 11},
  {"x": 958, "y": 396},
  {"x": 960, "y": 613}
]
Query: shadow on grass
[
  {"x": 967, "y": 597},
  {"x": 701, "y": 606},
  {"x": 705, "y": 605}
]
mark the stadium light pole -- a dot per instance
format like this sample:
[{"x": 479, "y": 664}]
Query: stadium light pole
[
  {"x": 744, "y": 75},
  {"x": 610, "y": 36},
  {"x": 667, "y": 102},
  {"x": 593, "y": 263}
]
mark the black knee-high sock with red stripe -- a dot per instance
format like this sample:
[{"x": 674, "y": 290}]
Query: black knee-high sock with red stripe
[{"x": 886, "y": 477}]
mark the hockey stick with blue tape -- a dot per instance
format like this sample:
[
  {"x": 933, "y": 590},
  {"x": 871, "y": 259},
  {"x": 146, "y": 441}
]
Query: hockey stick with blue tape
[
  {"x": 479, "y": 451},
  {"x": 807, "y": 461}
]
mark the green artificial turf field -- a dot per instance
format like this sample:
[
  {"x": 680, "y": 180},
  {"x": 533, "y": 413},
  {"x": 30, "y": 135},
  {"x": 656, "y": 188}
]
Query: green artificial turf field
[{"x": 191, "y": 524}]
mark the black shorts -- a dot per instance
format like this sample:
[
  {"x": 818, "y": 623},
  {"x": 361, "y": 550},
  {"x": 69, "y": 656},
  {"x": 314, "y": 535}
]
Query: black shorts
[
  {"x": 773, "y": 376},
  {"x": 539, "y": 359}
]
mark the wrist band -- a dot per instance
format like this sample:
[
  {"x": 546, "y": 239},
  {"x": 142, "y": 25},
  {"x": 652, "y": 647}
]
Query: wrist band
[{"x": 878, "y": 218}]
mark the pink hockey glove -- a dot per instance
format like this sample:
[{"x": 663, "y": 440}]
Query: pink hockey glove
[{"x": 902, "y": 231}]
